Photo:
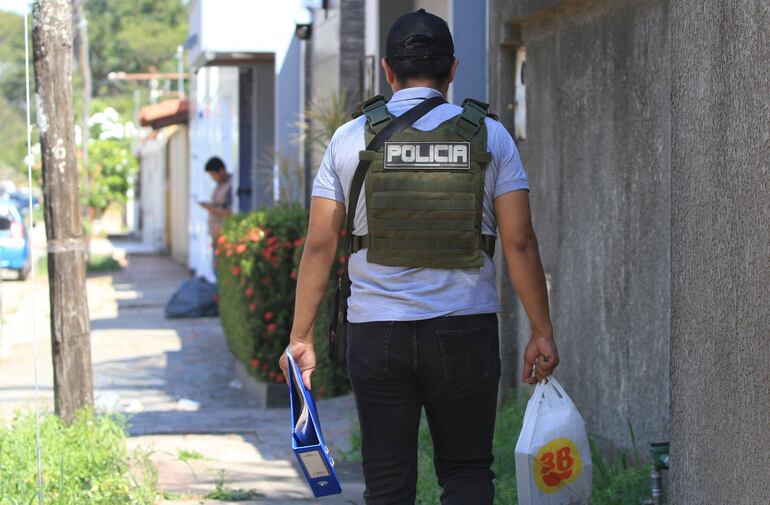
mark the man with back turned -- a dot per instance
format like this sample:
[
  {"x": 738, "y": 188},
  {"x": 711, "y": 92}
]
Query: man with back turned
[{"x": 423, "y": 328}]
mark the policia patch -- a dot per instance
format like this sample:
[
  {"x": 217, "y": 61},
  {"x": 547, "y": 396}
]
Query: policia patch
[{"x": 427, "y": 155}]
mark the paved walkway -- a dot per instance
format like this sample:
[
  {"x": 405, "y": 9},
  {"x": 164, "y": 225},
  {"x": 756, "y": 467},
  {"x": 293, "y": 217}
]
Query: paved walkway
[{"x": 175, "y": 378}]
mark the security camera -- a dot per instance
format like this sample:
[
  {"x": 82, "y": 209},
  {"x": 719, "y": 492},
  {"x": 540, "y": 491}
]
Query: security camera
[{"x": 304, "y": 24}]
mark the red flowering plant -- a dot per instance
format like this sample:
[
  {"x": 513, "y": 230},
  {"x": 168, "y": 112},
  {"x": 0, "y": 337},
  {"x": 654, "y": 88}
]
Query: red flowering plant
[{"x": 257, "y": 259}]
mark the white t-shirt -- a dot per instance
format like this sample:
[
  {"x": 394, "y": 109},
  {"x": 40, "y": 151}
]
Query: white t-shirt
[{"x": 384, "y": 293}]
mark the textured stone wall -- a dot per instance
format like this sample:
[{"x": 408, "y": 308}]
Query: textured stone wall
[
  {"x": 264, "y": 101},
  {"x": 597, "y": 154},
  {"x": 352, "y": 50},
  {"x": 336, "y": 52},
  {"x": 325, "y": 53},
  {"x": 720, "y": 252}
]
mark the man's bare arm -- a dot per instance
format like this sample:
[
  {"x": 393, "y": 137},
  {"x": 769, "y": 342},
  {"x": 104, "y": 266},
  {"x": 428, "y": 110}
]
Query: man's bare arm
[
  {"x": 218, "y": 212},
  {"x": 326, "y": 221},
  {"x": 528, "y": 279}
]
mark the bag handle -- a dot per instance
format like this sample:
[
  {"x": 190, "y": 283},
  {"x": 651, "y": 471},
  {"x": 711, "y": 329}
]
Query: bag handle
[{"x": 556, "y": 392}]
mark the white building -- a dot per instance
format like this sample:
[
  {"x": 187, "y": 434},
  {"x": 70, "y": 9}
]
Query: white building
[{"x": 234, "y": 49}]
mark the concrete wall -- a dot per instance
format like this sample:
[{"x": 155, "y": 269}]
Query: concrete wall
[
  {"x": 337, "y": 50},
  {"x": 440, "y": 8},
  {"x": 178, "y": 157},
  {"x": 152, "y": 173},
  {"x": 336, "y": 55},
  {"x": 288, "y": 108},
  {"x": 597, "y": 155},
  {"x": 351, "y": 50},
  {"x": 264, "y": 141},
  {"x": 325, "y": 54},
  {"x": 389, "y": 11},
  {"x": 720, "y": 286}
]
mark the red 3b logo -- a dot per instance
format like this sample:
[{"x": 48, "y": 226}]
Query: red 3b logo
[{"x": 557, "y": 464}]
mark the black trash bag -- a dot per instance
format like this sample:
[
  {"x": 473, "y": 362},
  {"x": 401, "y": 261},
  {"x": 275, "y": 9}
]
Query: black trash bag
[{"x": 195, "y": 298}]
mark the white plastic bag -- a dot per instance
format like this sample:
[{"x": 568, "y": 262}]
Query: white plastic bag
[{"x": 553, "y": 459}]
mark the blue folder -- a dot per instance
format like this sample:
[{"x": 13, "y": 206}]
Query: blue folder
[{"x": 307, "y": 441}]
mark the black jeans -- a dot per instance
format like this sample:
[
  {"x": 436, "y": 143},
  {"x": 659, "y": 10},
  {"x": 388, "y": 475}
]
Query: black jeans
[{"x": 451, "y": 367}]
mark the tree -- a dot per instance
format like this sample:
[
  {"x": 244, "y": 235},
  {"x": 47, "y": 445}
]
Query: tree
[
  {"x": 111, "y": 164},
  {"x": 133, "y": 36},
  {"x": 70, "y": 325},
  {"x": 12, "y": 60},
  {"x": 12, "y": 102}
]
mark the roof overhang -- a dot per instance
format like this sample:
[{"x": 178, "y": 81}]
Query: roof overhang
[
  {"x": 166, "y": 113},
  {"x": 231, "y": 59}
]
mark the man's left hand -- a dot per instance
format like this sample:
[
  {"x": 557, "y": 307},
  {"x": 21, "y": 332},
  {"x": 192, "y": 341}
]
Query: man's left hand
[{"x": 540, "y": 356}]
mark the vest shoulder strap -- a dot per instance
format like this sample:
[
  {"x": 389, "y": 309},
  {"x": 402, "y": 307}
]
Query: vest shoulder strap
[
  {"x": 376, "y": 111},
  {"x": 469, "y": 121}
]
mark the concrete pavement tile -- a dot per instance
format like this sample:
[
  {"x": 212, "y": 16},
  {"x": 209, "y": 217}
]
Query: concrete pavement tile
[{"x": 172, "y": 377}]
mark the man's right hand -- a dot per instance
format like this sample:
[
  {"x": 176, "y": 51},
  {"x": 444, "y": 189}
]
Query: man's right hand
[
  {"x": 541, "y": 354},
  {"x": 304, "y": 355}
]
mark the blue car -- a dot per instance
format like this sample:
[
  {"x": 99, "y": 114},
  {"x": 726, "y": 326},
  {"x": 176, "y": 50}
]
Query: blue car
[
  {"x": 21, "y": 201},
  {"x": 14, "y": 241}
]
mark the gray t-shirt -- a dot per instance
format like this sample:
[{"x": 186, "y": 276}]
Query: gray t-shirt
[{"x": 383, "y": 293}]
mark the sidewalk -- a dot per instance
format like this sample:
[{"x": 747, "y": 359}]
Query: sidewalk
[{"x": 175, "y": 379}]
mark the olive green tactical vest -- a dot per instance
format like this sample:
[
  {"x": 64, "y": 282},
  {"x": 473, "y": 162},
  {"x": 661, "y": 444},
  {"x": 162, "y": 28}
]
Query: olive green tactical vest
[{"x": 425, "y": 191}]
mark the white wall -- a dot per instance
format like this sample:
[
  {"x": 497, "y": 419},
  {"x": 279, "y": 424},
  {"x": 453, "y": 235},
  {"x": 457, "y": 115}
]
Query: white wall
[
  {"x": 153, "y": 192},
  {"x": 247, "y": 26},
  {"x": 178, "y": 149},
  {"x": 372, "y": 39},
  {"x": 227, "y": 26},
  {"x": 213, "y": 132}
]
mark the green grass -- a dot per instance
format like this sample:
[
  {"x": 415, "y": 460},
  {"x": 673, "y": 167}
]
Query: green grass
[
  {"x": 185, "y": 455},
  {"x": 96, "y": 264},
  {"x": 222, "y": 492},
  {"x": 101, "y": 264},
  {"x": 84, "y": 462},
  {"x": 42, "y": 266},
  {"x": 168, "y": 495},
  {"x": 618, "y": 480}
]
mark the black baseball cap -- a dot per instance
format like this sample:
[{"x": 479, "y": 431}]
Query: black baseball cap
[{"x": 419, "y": 34}]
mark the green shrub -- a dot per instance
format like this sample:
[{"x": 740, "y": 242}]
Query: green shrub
[
  {"x": 507, "y": 428},
  {"x": 84, "y": 462},
  {"x": 101, "y": 264},
  {"x": 616, "y": 481},
  {"x": 619, "y": 481},
  {"x": 258, "y": 257}
]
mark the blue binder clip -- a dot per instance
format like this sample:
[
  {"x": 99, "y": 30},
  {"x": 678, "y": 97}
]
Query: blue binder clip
[{"x": 307, "y": 441}]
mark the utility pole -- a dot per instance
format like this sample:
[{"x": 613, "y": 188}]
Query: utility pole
[{"x": 70, "y": 326}]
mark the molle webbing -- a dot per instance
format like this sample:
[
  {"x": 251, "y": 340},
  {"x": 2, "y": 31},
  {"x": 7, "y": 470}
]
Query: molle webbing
[{"x": 362, "y": 242}]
